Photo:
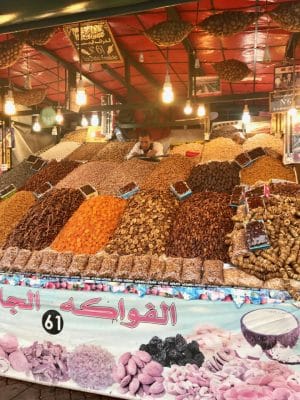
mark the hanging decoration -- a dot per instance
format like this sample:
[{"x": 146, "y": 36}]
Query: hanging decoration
[
  {"x": 97, "y": 42},
  {"x": 287, "y": 15},
  {"x": 228, "y": 23},
  {"x": 169, "y": 33},
  {"x": 10, "y": 51},
  {"x": 232, "y": 70},
  {"x": 37, "y": 36},
  {"x": 29, "y": 97}
]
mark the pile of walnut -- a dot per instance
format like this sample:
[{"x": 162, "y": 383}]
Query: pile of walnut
[{"x": 282, "y": 259}]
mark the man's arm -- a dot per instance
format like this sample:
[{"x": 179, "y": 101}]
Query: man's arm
[
  {"x": 133, "y": 152},
  {"x": 158, "y": 150}
]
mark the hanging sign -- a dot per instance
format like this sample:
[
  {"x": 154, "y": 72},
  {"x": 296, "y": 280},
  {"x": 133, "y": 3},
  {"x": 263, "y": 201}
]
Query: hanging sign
[
  {"x": 207, "y": 86},
  {"x": 97, "y": 42},
  {"x": 282, "y": 101}
]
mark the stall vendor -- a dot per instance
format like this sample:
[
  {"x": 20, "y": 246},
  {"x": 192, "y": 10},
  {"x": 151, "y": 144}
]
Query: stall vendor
[{"x": 145, "y": 147}]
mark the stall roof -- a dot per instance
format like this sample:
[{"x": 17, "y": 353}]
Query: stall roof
[{"x": 44, "y": 62}]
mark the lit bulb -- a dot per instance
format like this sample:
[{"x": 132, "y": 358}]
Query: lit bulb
[
  {"x": 36, "y": 126},
  {"x": 59, "y": 118},
  {"x": 95, "y": 120},
  {"x": 81, "y": 98},
  {"x": 141, "y": 57},
  {"x": 188, "y": 109},
  {"x": 167, "y": 93},
  {"x": 246, "y": 118},
  {"x": 84, "y": 122},
  {"x": 9, "y": 104},
  {"x": 201, "y": 110}
]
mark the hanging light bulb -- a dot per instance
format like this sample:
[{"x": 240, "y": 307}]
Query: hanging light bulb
[
  {"x": 267, "y": 55},
  {"x": 95, "y": 119},
  {"x": 59, "y": 118},
  {"x": 201, "y": 112},
  {"x": 9, "y": 103},
  {"x": 188, "y": 109},
  {"x": 81, "y": 97},
  {"x": 246, "y": 118},
  {"x": 84, "y": 121},
  {"x": 36, "y": 126},
  {"x": 167, "y": 93},
  {"x": 141, "y": 57}
]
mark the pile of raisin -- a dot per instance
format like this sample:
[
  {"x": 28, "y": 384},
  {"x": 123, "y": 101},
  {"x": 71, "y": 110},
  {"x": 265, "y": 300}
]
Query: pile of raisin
[{"x": 174, "y": 350}]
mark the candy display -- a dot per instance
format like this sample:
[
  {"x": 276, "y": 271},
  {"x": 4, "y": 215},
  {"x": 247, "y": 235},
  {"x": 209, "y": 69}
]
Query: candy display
[
  {"x": 212, "y": 272},
  {"x": 174, "y": 350},
  {"x": 40, "y": 226},
  {"x": 12, "y": 211},
  {"x": 145, "y": 225},
  {"x": 92, "y": 225},
  {"x": 200, "y": 226},
  {"x": 91, "y": 366},
  {"x": 214, "y": 177}
]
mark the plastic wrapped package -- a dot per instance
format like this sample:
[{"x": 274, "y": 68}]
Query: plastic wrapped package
[
  {"x": 109, "y": 266},
  {"x": 191, "y": 270},
  {"x": 78, "y": 264},
  {"x": 124, "y": 267},
  {"x": 94, "y": 266},
  {"x": 157, "y": 269},
  {"x": 8, "y": 258},
  {"x": 34, "y": 262},
  {"x": 274, "y": 284},
  {"x": 213, "y": 272},
  {"x": 21, "y": 260},
  {"x": 48, "y": 261},
  {"x": 173, "y": 269},
  {"x": 239, "y": 245},
  {"x": 141, "y": 266},
  {"x": 1, "y": 253},
  {"x": 62, "y": 263}
]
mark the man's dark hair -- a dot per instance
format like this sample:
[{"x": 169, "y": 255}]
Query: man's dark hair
[{"x": 144, "y": 134}]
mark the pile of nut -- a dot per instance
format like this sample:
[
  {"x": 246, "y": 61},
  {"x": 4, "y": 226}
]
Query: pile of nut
[
  {"x": 17, "y": 175},
  {"x": 168, "y": 33},
  {"x": 282, "y": 223},
  {"x": 232, "y": 70},
  {"x": 114, "y": 151},
  {"x": 200, "y": 227},
  {"x": 215, "y": 177},
  {"x": 145, "y": 225},
  {"x": 220, "y": 149},
  {"x": 228, "y": 23}
]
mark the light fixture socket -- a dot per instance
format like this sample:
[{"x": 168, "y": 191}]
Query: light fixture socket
[
  {"x": 141, "y": 57},
  {"x": 36, "y": 126},
  {"x": 59, "y": 117},
  {"x": 267, "y": 55}
]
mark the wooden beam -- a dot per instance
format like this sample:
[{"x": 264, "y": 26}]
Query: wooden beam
[{"x": 49, "y": 53}]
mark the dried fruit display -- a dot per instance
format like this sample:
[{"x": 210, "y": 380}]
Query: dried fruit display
[
  {"x": 144, "y": 227},
  {"x": 220, "y": 149},
  {"x": 264, "y": 140},
  {"x": 91, "y": 226},
  {"x": 228, "y": 23},
  {"x": 200, "y": 227},
  {"x": 40, "y": 226},
  {"x": 114, "y": 151},
  {"x": 29, "y": 98},
  {"x": 86, "y": 151},
  {"x": 169, "y": 33},
  {"x": 10, "y": 51},
  {"x": 213, "y": 272},
  {"x": 232, "y": 70},
  {"x": 287, "y": 15},
  {"x": 215, "y": 177},
  {"x": 39, "y": 36},
  {"x": 12, "y": 210},
  {"x": 17, "y": 175}
]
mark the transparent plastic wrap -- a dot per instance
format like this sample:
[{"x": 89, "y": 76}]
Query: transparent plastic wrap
[
  {"x": 213, "y": 272},
  {"x": 2, "y": 251},
  {"x": 48, "y": 261},
  {"x": 239, "y": 244},
  {"x": 8, "y": 258},
  {"x": 34, "y": 262},
  {"x": 191, "y": 270},
  {"x": 21, "y": 260},
  {"x": 62, "y": 263},
  {"x": 124, "y": 267},
  {"x": 157, "y": 268},
  {"x": 78, "y": 264},
  {"x": 94, "y": 266},
  {"x": 173, "y": 269},
  {"x": 109, "y": 266},
  {"x": 140, "y": 269}
]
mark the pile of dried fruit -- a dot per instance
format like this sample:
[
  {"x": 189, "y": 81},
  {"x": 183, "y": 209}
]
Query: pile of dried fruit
[
  {"x": 215, "y": 177},
  {"x": 59, "y": 151},
  {"x": 95, "y": 173},
  {"x": 77, "y": 136},
  {"x": 264, "y": 140},
  {"x": 39, "y": 227},
  {"x": 264, "y": 169},
  {"x": 282, "y": 259},
  {"x": 285, "y": 189},
  {"x": 220, "y": 149},
  {"x": 12, "y": 211},
  {"x": 114, "y": 151},
  {"x": 17, "y": 175},
  {"x": 228, "y": 22},
  {"x": 86, "y": 151},
  {"x": 200, "y": 227},
  {"x": 53, "y": 173},
  {"x": 172, "y": 169},
  {"x": 91, "y": 226},
  {"x": 144, "y": 227}
]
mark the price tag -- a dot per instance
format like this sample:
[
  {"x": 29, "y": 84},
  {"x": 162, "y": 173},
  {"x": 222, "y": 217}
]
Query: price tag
[{"x": 53, "y": 322}]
